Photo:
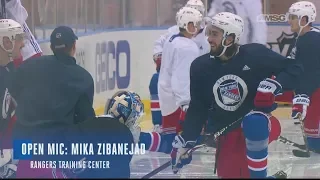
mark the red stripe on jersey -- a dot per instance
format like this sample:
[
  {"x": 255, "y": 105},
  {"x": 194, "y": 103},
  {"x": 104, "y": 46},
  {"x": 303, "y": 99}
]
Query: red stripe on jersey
[
  {"x": 257, "y": 163},
  {"x": 155, "y": 141},
  {"x": 155, "y": 105}
]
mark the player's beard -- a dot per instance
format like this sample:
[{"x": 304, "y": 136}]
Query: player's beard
[
  {"x": 230, "y": 51},
  {"x": 217, "y": 50}
]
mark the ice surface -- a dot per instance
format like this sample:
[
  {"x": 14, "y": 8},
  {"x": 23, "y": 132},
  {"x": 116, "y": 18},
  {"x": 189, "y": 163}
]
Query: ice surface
[{"x": 202, "y": 165}]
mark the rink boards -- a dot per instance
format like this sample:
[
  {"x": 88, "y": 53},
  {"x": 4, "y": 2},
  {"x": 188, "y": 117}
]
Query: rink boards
[{"x": 121, "y": 59}]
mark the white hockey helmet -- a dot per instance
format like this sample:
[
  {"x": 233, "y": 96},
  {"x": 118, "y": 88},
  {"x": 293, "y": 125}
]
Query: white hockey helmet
[
  {"x": 230, "y": 24},
  {"x": 178, "y": 14},
  {"x": 303, "y": 8},
  {"x": 197, "y": 4},
  {"x": 11, "y": 29},
  {"x": 189, "y": 15}
]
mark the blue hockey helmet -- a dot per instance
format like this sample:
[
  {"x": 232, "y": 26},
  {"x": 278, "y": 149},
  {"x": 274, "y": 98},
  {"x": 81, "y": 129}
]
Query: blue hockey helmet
[{"x": 126, "y": 106}]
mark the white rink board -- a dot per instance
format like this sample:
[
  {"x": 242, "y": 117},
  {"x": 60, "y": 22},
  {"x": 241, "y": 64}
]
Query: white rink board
[{"x": 99, "y": 50}]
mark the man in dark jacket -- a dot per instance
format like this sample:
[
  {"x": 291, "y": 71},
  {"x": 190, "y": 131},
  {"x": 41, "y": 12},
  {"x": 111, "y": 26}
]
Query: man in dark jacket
[{"x": 52, "y": 93}]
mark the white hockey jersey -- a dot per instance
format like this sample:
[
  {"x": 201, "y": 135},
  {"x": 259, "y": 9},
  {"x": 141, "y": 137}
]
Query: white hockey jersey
[
  {"x": 174, "y": 80},
  {"x": 249, "y": 10},
  {"x": 200, "y": 39},
  {"x": 17, "y": 12}
]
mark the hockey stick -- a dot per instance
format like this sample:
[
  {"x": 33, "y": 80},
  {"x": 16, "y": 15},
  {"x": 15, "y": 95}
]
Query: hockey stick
[
  {"x": 300, "y": 153},
  {"x": 290, "y": 143},
  {"x": 167, "y": 164}
]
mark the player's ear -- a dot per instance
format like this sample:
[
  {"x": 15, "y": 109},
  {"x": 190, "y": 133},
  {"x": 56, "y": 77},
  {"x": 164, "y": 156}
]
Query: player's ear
[
  {"x": 229, "y": 40},
  {"x": 304, "y": 20}
]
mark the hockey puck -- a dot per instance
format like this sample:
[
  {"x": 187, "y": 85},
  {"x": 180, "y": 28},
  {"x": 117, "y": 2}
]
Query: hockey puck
[
  {"x": 296, "y": 123},
  {"x": 299, "y": 153}
]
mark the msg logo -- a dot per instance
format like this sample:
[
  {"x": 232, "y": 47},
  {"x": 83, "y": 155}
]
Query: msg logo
[{"x": 273, "y": 18}]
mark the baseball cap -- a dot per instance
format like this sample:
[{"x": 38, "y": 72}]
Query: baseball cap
[{"x": 62, "y": 36}]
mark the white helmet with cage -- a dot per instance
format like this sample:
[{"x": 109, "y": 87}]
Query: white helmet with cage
[
  {"x": 197, "y": 4},
  {"x": 230, "y": 24},
  {"x": 189, "y": 15},
  {"x": 303, "y": 8},
  {"x": 11, "y": 29}
]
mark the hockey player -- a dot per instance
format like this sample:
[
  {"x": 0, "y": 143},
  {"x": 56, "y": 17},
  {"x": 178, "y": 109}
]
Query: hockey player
[
  {"x": 119, "y": 125},
  {"x": 231, "y": 84},
  {"x": 199, "y": 38},
  {"x": 306, "y": 101},
  {"x": 13, "y": 9},
  {"x": 155, "y": 107},
  {"x": 173, "y": 86},
  {"x": 179, "y": 51},
  {"x": 11, "y": 35}
]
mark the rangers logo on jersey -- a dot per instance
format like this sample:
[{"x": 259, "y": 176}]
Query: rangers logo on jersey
[{"x": 229, "y": 92}]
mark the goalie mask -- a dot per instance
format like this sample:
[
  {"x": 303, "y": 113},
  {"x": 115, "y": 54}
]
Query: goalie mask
[{"x": 127, "y": 107}]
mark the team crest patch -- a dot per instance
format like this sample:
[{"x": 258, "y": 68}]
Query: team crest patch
[{"x": 230, "y": 93}]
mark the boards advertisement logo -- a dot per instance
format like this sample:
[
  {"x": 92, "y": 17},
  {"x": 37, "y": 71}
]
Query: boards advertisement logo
[
  {"x": 284, "y": 44},
  {"x": 112, "y": 65},
  {"x": 272, "y": 18}
]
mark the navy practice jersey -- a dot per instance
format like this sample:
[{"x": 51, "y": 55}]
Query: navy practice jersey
[
  {"x": 307, "y": 53},
  {"x": 225, "y": 90}
]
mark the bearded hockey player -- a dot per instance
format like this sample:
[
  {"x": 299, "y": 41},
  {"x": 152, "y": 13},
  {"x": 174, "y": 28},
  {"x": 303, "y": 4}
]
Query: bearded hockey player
[
  {"x": 306, "y": 102},
  {"x": 11, "y": 35},
  {"x": 232, "y": 85},
  {"x": 13, "y": 9}
]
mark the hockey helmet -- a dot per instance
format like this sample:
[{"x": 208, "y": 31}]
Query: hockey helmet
[
  {"x": 230, "y": 24},
  {"x": 11, "y": 29},
  {"x": 196, "y": 4},
  {"x": 125, "y": 106},
  {"x": 187, "y": 15},
  {"x": 303, "y": 8}
]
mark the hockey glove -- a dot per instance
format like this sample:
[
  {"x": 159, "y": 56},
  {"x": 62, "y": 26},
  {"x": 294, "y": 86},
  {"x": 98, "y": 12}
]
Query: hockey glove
[
  {"x": 265, "y": 97},
  {"x": 300, "y": 104},
  {"x": 179, "y": 155}
]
